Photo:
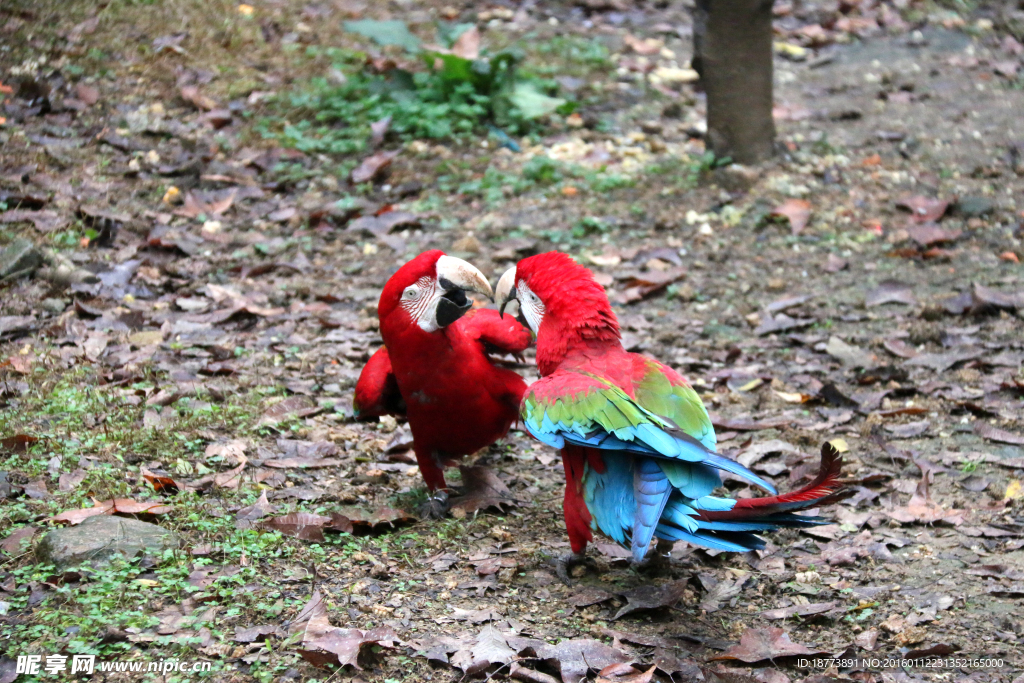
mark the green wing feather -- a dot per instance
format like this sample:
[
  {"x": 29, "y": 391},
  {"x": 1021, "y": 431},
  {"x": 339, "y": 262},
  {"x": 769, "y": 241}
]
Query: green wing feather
[{"x": 675, "y": 401}]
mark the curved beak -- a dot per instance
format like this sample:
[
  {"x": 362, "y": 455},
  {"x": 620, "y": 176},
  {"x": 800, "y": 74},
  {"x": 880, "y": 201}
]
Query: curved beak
[
  {"x": 454, "y": 273},
  {"x": 506, "y": 290},
  {"x": 456, "y": 277}
]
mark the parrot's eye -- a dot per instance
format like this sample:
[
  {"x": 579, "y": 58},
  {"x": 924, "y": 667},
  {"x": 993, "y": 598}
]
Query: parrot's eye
[{"x": 411, "y": 293}]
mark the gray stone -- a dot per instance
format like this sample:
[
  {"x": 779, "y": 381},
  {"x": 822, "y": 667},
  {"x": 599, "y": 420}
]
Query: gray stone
[
  {"x": 974, "y": 206},
  {"x": 19, "y": 256},
  {"x": 53, "y": 305},
  {"x": 99, "y": 539}
]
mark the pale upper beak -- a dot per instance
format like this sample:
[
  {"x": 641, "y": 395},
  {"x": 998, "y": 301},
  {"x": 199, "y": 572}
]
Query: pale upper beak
[
  {"x": 454, "y": 273},
  {"x": 506, "y": 290}
]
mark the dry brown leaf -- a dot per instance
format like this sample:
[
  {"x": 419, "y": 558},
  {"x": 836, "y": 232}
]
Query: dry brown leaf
[
  {"x": 483, "y": 490},
  {"x": 135, "y": 507},
  {"x": 986, "y": 297},
  {"x": 889, "y": 292},
  {"x": 383, "y": 223},
  {"x": 923, "y": 509},
  {"x": 574, "y": 658},
  {"x": 246, "y": 517},
  {"x": 489, "y": 647},
  {"x": 324, "y": 644},
  {"x": 475, "y": 616},
  {"x": 745, "y": 425},
  {"x": 899, "y": 348},
  {"x": 492, "y": 565},
  {"x": 228, "y": 451},
  {"x": 78, "y": 516},
  {"x": 302, "y": 462},
  {"x": 231, "y": 479},
  {"x": 18, "y": 443},
  {"x": 259, "y": 633},
  {"x": 303, "y": 525},
  {"x": 69, "y": 481},
  {"x": 652, "y": 597},
  {"x": 110, "y": 507},
  {"x": 163, "y": 484},
  {"x": 796, "y": 211},
  {"x": 867, "y": 639},
  {"x": 928, "y": 234},
  {"x": 18, "y": 541},
  {"x": 191, "y": 94},
  {"x": 834, "y": 264},
  {"x": 293, "y": 406},
  {"x": 196, "y": 205},
  {"x": 719, "y": 591},
  {"x": 624, "y": 673},
  {"x": 359, "y": 521},
  {"x": 45, "y": 221},
  {"x": 799, "y": 610},
  {"x": 467, "y": 45},
  {"x": 87, "y": 94},
  {"x": 923, "y": 209},
  {"x": 643, "y": 46},
  {"x": 22, "y": 364},
  {"x": 758, "y": 645},
  {"x": 992, "y": 433},
  {"x": 373, "y": 167},
  {"x": 646, "y": 284},
  {"x": 378, "y": 129},
  {"x": 590, "y": 596},
  {"x": 36, "y": 490}
]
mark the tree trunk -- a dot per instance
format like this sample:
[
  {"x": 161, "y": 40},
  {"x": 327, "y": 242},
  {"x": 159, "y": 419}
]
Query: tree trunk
[{"x": 732, "y": 45}]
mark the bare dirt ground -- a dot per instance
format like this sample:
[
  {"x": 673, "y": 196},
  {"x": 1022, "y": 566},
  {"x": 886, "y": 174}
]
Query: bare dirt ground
[{"x": 190, "y": 352}]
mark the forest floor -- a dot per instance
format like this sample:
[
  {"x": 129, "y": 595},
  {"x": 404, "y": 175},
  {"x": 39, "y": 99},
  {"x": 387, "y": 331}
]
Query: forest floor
[{"x": 195, "y": 291}]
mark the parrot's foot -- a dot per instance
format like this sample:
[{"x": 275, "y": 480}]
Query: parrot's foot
[
  {"x": 566, "y": 562},
  {"x": 657, "y": 563},
  {"x": 654, "y": 565},
  {"x": 436, "y": 506}
]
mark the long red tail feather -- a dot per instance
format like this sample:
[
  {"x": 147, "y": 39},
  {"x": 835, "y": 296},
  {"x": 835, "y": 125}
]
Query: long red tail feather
[{"x": 824, "y": 490}]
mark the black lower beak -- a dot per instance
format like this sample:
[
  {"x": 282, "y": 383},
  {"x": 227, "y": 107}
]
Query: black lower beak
[
  {"x": 452, "y": 306},
  {"x": 501, "y": 308}
]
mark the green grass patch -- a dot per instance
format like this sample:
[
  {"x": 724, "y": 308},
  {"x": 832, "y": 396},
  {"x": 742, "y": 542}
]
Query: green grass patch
[{"x": 448, "y": 97}]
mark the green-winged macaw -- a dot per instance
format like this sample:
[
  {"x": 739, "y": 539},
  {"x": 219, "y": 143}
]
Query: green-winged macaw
[{"x": 638, "y": 447}]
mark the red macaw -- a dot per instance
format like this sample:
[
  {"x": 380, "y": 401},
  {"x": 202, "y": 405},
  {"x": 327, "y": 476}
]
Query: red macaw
[
  {"x": 638, "y": 447},
  {"x": 435, "y": 369}
]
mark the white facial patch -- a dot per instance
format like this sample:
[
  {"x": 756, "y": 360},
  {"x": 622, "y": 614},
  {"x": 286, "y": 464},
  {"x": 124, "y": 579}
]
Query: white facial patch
[
  {"x": 419, "y": 300},
  {"x": 531, "y": 306}
]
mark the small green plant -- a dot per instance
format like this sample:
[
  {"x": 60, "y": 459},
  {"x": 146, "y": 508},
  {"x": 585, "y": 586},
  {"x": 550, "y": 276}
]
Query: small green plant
[
  {"x": 607, "y": 182},
  {"x": 543, "y": 170},
  {"x": 453, "y": 96},
  {"x": 578, "y": 50},
  {"x": 589, "y": 225}
]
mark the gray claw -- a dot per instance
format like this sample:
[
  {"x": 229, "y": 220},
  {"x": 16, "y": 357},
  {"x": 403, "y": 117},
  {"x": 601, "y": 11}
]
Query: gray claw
[
  {"x": 566, "y": 562},
  {"x": 436, "y": 506}
]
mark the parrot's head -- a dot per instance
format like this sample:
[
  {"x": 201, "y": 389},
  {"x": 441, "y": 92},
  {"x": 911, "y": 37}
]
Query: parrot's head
[
  {"x": 430, "y": 292},
  {"x": 552, "y": 286}
]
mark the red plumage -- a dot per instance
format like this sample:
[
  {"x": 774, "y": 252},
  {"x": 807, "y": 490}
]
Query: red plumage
[
  {"x": 578, "y": 340},
  {"x": 457, "y": 400},
  {"x": 825, "y": 489}
]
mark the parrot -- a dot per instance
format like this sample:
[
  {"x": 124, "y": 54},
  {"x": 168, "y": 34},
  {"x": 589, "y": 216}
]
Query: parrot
[
  {"x": 435, "y": 366},
  {"x": 637, "y": 444}
]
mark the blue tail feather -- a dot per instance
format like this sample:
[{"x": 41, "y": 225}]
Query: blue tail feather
[
  {"x": 651, "y": 491},
  {"x": 742, "y": 544},
  {"x": 715, "y": 460}
]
